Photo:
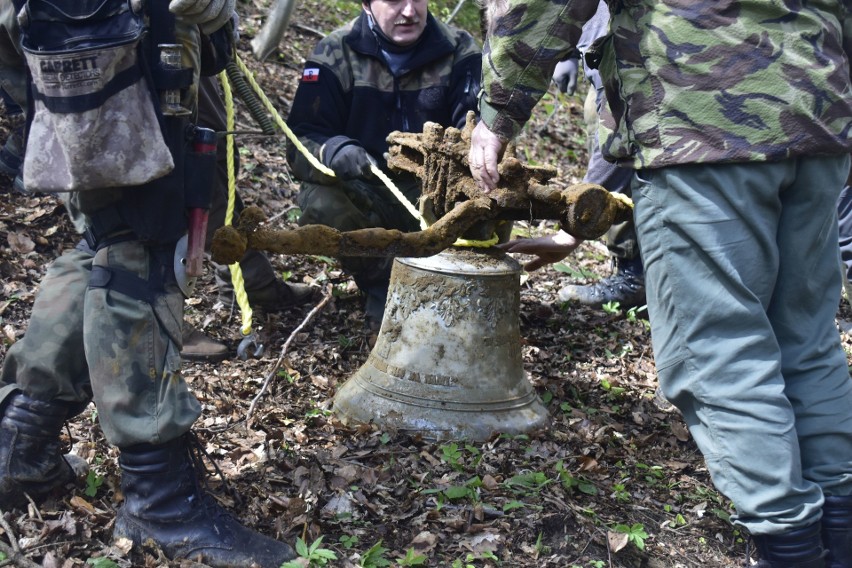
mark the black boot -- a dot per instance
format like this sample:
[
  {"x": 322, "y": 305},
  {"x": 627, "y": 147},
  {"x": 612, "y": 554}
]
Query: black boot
[
  {"x": 626, "y": 286},
  {"x": 798, "y": 548},
  {"x": 837, "y": 531},
  {"x": 31, "y": 459},
  {"x": 164, "y": 502}
]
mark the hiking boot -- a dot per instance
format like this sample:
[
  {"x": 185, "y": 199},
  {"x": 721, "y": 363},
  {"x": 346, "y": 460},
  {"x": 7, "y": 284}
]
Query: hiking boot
[
  {"x": 626, "y": 286},
  {"x": 837, "y": 530},
  {"x": 31, "y": 460},
  {"x": 164, "y": 503},
  {"x": 797, "y": 548},
  {"x": 276, "y": 297},
  {"x": 200, "y": 347}
]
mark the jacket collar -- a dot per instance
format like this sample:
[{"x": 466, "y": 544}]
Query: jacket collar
[{"x": 433, "y": 44}]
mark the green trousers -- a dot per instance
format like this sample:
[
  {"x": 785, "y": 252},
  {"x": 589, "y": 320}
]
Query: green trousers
[{"x": 741, "y": 268}]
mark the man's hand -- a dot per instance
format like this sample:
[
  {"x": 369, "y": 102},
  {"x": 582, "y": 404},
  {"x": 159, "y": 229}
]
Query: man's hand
[
  {"x": 209, "y": 15},
  {"x": 565, "y": 75},
  {"x": 486, "y": 150},
  {"x": 351, "y": 162},
  {"x": 548, "y": 250}
]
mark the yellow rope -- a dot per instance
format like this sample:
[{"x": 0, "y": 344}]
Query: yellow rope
[
  {"x": 327, "y": 171},
  {"x": 377, "y": 171},
  {"x": 280, "y": 121},
  {"x": 236, "y": 272},
  {"x": 477, "y": 244},
  {"x": 623, "y": 198}
]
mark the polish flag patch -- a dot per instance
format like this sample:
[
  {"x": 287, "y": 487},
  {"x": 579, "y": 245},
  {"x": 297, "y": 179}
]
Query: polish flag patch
[{"x": 310, "y": 75}]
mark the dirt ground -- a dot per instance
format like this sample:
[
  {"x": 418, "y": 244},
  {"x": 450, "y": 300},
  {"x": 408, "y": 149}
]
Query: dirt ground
[{"x": 613, "y": 480}]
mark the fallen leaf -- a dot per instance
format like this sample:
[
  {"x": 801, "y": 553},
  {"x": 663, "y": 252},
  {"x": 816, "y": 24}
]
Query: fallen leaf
[
  {"x": 20, "y": 242},
  {"x": 616, "y": 540},
  {"x": 123, "y": 545},
  {"x": 679, "y": 430}
]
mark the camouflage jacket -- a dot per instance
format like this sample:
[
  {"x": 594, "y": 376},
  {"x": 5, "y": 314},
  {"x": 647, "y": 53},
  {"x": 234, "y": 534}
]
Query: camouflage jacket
[
  {"x": 349, "y": 93},
  {"x": 687, "y": 81}
]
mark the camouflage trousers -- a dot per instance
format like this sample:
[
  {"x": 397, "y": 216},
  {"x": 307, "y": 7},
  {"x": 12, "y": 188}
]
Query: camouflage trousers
[
  {"x": 88, "y": 340},
  {"x": 359, "y": 204},
  {"x": 13, "y": 74}
]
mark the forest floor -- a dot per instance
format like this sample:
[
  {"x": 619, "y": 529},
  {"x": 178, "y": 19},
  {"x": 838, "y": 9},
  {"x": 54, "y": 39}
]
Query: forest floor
[{"x": 613, "y": 480}]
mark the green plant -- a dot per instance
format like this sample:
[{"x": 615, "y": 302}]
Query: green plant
[
  {"x": 653, "y": 473},
  {"x": 451, "y": 455},
  {"x": 412, "y": 558},
  {"x": 532, "y": 482},
  {"x": 569, "y": 482},
  {"x": 614, "y": 391},
  {"x": 93, "y": 482},
  {"x": 473, "y": 451},
  {"x": 347, "y": 541},
  {"x": 326, "y": 259},
  {"x": 96, "y": 562},
  {"x": 316, "y": 412},
  {"x": 633, "y": 314},
  {"x": 540, "y": 547},
  {"x": 612, "y": 308},
  {"x": 620, "y": 493},
  {"x": 635, "y": 534},
  {"x": 286, "y": 376},
  {"x": 582, "y": 273},
  {"x": 315, "y": 555},
  {"x": 375, "y": 557},
  {"x": 511, "y": 505}
]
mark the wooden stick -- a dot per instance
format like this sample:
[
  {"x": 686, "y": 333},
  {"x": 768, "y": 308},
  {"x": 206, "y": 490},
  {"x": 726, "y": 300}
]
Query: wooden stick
[{"x": 272, "y": 373}]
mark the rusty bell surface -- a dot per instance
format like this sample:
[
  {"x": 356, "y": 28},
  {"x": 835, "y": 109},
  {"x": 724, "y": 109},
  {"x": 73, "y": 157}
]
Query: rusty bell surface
[{"x": 447, "y": 362}]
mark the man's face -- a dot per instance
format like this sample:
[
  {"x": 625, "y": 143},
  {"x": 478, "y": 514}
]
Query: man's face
[{"x": 403, "y": 21}]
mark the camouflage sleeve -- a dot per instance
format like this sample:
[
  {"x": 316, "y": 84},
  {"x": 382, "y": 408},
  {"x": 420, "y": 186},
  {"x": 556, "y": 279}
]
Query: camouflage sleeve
[
  {"x": 523, "y": 47},
  {"x": 13, "y": 73}
]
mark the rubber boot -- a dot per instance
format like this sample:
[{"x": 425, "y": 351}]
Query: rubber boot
[
  {"x": 31, "y": 461},
  {"x": 837, "y": 531},
  {"x": 626, "y": 286},
  {"x": 164, "y": 502},
  {"x": 798, "y": 548}
]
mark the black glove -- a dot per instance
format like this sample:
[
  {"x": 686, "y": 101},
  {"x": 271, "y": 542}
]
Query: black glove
[
  {"x": 351, "y": 162},
  {"x": 565, "y": 75}
]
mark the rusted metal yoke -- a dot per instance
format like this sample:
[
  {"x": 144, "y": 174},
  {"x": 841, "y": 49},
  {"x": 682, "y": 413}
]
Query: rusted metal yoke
[{"x": 451, "y": 202}]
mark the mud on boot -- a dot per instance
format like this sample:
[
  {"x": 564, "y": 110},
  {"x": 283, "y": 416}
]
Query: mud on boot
[
  {"x": 164, "y": 502},
  {"x": 31, "y": 460}
]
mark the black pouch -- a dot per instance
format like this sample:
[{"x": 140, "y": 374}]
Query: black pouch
[{"x": 94, "y": 122}]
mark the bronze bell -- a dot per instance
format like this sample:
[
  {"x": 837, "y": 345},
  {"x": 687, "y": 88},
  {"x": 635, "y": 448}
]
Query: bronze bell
[{"x": 447, "y": 361}]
